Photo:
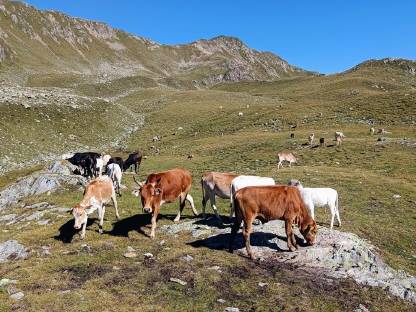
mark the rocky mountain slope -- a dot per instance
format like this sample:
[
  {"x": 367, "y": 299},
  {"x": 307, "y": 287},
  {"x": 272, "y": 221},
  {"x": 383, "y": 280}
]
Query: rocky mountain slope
[{"x": 34, "y": 42}]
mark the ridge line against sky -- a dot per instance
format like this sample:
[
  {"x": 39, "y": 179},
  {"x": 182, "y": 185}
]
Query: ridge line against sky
[{"x": 324, "y": 36}]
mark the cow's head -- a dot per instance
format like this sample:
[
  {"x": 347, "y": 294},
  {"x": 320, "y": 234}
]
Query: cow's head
[
  {"x": 80, "y": 216},
  {"x": 150, "y": 194},
  {"x": 309, "y": 231}
]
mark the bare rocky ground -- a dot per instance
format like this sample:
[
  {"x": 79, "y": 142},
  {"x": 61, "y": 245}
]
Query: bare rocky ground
[{"x": 336, "y": 254}]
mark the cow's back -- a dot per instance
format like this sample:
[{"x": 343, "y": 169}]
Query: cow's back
[
  {"x": 172, "y": 182},
  {"x": 270, "y": 202}
]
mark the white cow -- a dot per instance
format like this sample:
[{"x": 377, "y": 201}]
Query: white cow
[
  {"x": 101, "y": 163},
  {"x": 319, "y": 197},
  {"x": 115, "y": 173},
  {"x": 244, "y": 181}
]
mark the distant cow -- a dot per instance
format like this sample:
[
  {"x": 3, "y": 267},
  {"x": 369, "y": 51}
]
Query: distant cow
[
  {"x": 339, "y": 137},
  {"x": 165, "y": 187},
  {"x": 115, "y": 174},
  {"x": 86, "y": 161},
  {"x": 215, "y": 184},
  {"x": 97, "y": 193},
  {"x": 311, "y": 138},
  {"x": 319, "y": 197},
  {"x": 289, "y": 157},
  {"x": 244, "y": 181},
  {"x": 271, "y": 203},
  {"x": 135, "y": 160}
]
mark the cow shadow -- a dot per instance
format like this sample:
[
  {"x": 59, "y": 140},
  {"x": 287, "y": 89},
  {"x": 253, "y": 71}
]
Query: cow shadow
[
  {"x": 257, "y": 239},
  {"x": 137, "y": 223},
  {"x": 67, "y": 230}
]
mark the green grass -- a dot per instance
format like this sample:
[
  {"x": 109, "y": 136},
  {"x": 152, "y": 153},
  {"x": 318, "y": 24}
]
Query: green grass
[{"x": 365, "y": 172}]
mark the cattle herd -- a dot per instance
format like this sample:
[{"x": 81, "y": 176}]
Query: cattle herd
[{"x": 251, "y": 197}]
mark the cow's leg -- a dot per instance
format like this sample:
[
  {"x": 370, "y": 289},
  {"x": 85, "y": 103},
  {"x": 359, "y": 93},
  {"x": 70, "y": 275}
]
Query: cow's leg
[
  {"x": 332, "y": 209},
  {"x": 248, "y": 224},
  {"x": 84, "y": 227},
  {"x": 189, "y": 198},
  {"x": 101, "y": 212},
  {"x": 114, "y": 200},
  {"x": 234, "y": 230},
  {"x": 289, "y": 233},
  {"x": 182, "y": 198},
  {"x": 214, "y": 205},
  {"x": 154, "y": 219}
]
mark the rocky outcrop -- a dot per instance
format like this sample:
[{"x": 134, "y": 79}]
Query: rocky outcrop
[
  {"x": 55, "y": 176},
  {"x": 337, "y": 254},
  {"x": 12, "y": 250}
]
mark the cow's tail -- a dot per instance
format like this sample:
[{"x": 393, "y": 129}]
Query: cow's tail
[{"x": 232, "y": 200}]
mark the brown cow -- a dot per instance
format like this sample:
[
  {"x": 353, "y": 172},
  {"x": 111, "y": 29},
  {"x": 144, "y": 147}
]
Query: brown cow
[
  {"x": 165, "y": 187},
  {"x": 271, "y": 203},
  {"x": 215, "y": 184}
]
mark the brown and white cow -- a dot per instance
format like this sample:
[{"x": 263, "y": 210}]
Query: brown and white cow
[
  {"x": 271, "y": 203},
  {"x": 165, "y": 187},
  {"x": 215, "y": 184},
  {"x": 281, "y": 157},
  {"x": 98, "y": 192}
]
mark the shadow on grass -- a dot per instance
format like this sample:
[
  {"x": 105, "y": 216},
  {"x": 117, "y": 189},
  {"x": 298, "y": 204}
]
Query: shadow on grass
[
  {"x": 137, "y": 223},
  {"x": 67, "y": 231}
]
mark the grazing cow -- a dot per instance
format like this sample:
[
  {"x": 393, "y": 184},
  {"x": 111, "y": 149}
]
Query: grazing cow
[
  {"x": 116, "y": 160},
  {"x": 311, "y": 138},
  {"x": 215, "y": 184},
  {"x": 244, "y": 181},
  {"x": 97, "y": 193},
  {"x": 319, "y": 197},
  {"x": 115, "y": 174},
  {"x": 135, "y": 160},
  {"x": 285, "y": 157},
  {"x": 86, "y": 161},
  {"x": 271, "y": 203},
  {"x": 165, "y": 187},
  {"x": 339, "y": 137}
]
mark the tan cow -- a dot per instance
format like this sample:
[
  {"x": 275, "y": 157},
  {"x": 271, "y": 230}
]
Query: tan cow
[
  {"x": 271, "y": 203},
  {"x": 165, "y": 187},
  {"x": 215, "y": 184},
  {"x": 285, "y": 157},
  {"x": 97, "y": 193}
]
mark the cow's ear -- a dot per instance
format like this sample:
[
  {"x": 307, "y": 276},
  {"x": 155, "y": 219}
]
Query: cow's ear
[{"x": 158, "y": 191}]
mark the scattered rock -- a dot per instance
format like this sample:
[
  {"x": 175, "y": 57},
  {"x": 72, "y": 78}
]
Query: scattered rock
[
  {"x": 187, "y": 258},
  {"x": 12, "y": 250},
  {"x": 17, "y": 296},
  {"x": 148, "y": 255},
  {"x": 261, "y": 284},
  {"x": 177, "y": 280}
]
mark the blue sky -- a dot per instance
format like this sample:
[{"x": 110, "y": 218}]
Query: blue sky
[{"x": 326, "y": 36}]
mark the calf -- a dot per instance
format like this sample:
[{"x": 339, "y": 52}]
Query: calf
[
  {"x": 165, "y": 187},
  {"x": 271, "y": 203},
  {"x": 319, "y": 197},
  {"x": 285, "y": 157},
  {"x": 244, "y": 181},
  {"x": 134, "y": 159},
  {"x": 97, "y": 193},
  {"x": 115, "y": 174},
  {"x": 215, "y": 184}
]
